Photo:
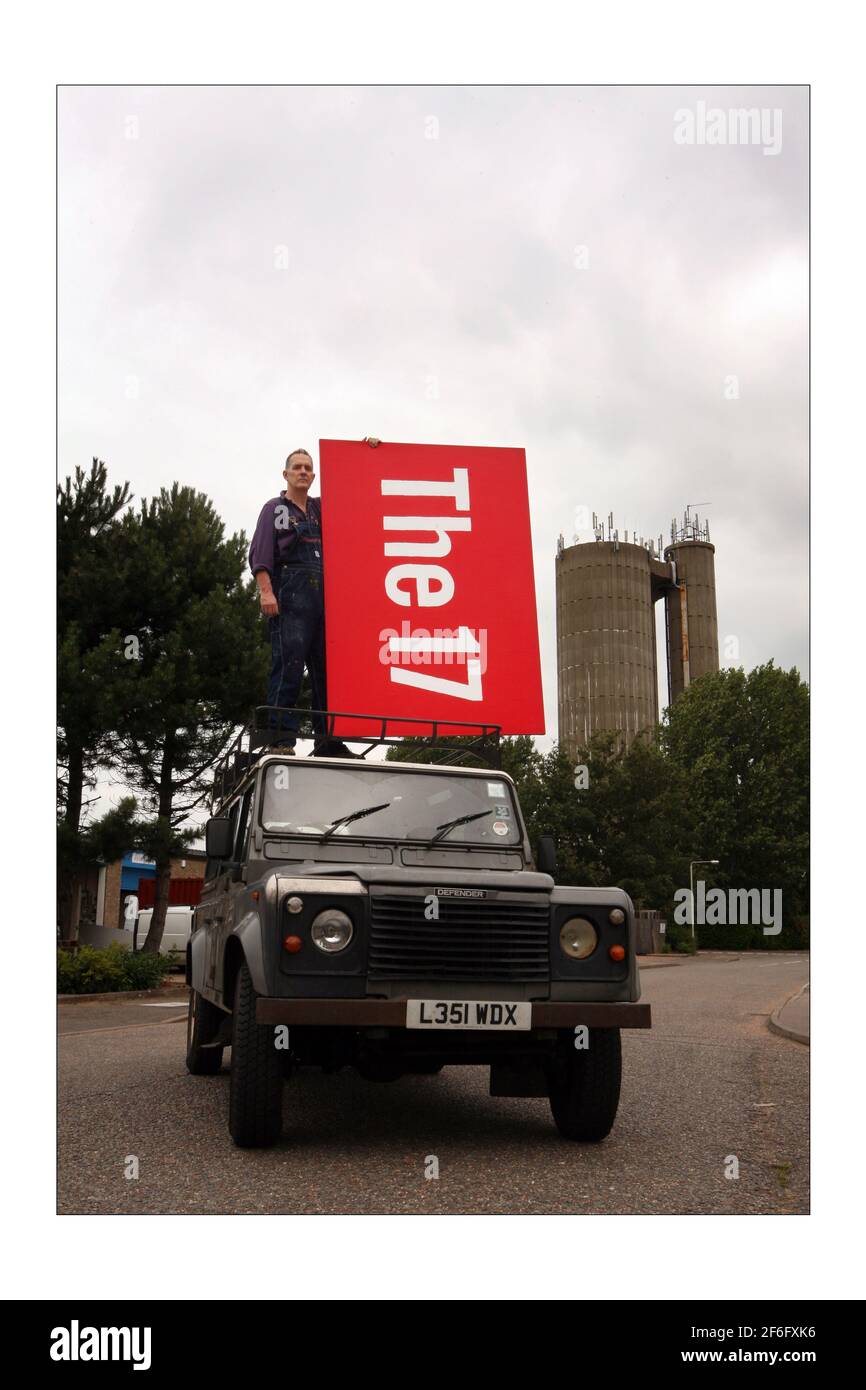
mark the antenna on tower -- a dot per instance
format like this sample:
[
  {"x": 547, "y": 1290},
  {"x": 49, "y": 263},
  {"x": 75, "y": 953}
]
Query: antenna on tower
[{"x": 691, "y": 529}]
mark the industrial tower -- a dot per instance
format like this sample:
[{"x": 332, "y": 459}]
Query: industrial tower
[{"x": 606, "y": 593}]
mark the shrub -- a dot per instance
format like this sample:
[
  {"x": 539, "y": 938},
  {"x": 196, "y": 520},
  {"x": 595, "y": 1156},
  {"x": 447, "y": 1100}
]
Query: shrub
[
  {"x": 95, "y": 971},
  {"x": 745, "y": 936},
  {"x": 798, "y": 934},
  {"x": 736, "y": 936},
  {"x": 145, "y": 971},
  {"x": 66, "y": 973},
  {"x": 679, "y": 937}
]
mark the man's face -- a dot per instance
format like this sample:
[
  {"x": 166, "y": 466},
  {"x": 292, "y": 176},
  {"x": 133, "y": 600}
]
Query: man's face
[{"x": 298, "y": 472}]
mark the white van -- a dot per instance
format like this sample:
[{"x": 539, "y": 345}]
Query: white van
[{"x": 175, "y": 934}]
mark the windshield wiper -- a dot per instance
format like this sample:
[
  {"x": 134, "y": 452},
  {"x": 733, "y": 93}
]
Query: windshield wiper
[
  {"x": 354, "y": 815},
  {"x": 442, "y": 830}
]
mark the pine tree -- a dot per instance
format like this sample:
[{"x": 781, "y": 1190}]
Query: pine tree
[
  {"x": 90, "y": 667},
  {"x": 200, "y": 663}
]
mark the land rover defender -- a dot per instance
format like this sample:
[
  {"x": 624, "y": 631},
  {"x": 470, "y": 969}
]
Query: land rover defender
[{"x": 390, "y": 916}]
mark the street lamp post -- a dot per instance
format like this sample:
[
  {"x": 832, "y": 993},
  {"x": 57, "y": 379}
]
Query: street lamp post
[{"x": 692, "y": 867}]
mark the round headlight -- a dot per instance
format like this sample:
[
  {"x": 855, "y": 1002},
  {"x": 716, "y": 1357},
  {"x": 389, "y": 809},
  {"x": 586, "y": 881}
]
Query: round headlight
[
  {"x": 578, "y": 938},
  {"x": 294, "y": 904},
  {"x": 616, "y": 917},
  {"x": 332, "y": 930}
]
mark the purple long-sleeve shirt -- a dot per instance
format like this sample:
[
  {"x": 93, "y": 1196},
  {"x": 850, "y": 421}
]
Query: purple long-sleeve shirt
[{"x": 278, "y": 533}]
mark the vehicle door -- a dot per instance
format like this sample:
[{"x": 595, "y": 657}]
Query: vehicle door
[
  {"x": 235, "y": 876},
  {"x": 214, "y": 906},
  {"x": 203, "y": 915}
]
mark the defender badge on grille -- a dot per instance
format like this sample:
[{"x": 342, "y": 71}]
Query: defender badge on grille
[{"x": 460, "y": 892}]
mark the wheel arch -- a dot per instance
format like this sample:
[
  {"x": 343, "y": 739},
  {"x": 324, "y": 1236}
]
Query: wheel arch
[{"x": 244, "y": 944}]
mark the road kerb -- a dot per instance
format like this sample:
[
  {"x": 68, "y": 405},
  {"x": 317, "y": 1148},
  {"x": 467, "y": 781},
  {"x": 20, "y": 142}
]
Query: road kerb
[
  {"x": 786, "y": 1030},
  {"x": 122, "y": 995}
]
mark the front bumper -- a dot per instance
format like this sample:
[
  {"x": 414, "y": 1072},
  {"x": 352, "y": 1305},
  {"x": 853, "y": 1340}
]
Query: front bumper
[{"x": 391, "y": 1013}]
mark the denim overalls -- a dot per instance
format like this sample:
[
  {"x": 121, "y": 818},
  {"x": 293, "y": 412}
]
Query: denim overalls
[{"x": 298, "y": 632}]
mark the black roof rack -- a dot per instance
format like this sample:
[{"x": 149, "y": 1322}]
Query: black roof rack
[{"x": 480, "y": 745}]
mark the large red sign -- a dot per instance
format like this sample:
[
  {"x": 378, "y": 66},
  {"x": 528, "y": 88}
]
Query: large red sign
[{"x": 429, "y": 587}]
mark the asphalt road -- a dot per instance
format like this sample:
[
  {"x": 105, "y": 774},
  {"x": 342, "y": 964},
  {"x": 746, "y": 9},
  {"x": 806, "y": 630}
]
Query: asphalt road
[{"x": 708, "y": 1085}]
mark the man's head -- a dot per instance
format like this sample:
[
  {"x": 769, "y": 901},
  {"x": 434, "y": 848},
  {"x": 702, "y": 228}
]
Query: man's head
[{"x": 298, "y": 471}]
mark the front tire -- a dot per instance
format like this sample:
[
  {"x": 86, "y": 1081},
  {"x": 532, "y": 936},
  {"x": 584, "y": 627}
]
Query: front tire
[
  {"x": 203, "y": 1023},
  {"x": 256, "y": 1087},
  {"x": 584, "y": 1086}
]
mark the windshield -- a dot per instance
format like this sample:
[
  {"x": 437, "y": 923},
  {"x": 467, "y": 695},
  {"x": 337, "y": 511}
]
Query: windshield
[{"x": 307, "y": 800}]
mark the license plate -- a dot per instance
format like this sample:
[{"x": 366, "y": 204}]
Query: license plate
[{"x": 468, "y": 1013}]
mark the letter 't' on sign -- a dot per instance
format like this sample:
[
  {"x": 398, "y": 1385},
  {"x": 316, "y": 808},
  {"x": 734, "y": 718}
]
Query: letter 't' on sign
[{"x": 431, "y": 543}]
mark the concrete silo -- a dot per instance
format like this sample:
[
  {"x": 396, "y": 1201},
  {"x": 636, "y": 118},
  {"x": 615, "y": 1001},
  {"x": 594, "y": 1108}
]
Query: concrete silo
[
  {"x": 606, "y": 592},
  {"x": 606, "y": 640},
  {"x": 690, "y": 607}
]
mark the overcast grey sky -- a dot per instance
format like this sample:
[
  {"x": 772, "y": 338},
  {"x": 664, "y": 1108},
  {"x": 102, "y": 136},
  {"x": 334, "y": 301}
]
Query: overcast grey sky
[{"x": 246, "y": 270}]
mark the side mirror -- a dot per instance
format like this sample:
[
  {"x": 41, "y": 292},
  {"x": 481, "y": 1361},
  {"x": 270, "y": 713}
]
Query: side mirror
[
  {"x": 545, "y": 856},
  {"x": 218, "y": 838}
]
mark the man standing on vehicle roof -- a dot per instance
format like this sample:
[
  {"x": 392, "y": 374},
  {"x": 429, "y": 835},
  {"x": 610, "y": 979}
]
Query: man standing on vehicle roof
[{"x": 286, "y": 559}]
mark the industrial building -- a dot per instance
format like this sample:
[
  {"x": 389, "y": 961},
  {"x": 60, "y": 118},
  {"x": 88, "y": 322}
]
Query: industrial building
[{"x": 606, "y": 595}]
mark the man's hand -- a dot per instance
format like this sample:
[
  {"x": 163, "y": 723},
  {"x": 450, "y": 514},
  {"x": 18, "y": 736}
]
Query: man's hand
[
  {"x": 372, "y": 441},
  {"x": 268, "y": 601}
]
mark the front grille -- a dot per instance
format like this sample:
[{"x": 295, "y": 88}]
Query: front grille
[{"x": 473, "y": 939}]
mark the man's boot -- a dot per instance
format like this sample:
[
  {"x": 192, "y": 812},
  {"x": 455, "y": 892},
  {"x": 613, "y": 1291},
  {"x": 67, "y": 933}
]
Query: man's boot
[{"x": 333, "y": 748}]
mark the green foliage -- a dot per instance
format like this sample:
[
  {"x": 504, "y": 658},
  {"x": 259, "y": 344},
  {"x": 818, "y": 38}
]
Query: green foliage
[
  {"x": 202, "y": 655},
  {"x": 797, "y": 933},
  {"x": 740, "y": 745},
  {"x": 92, "y": 677},
  {"x": 91, "y": 669},
  {"x": 107, "y": 839},
  {"x": 618, "y": 830},
  {"x": 725, "y": 777},
  {"x": 202, "y": 662},
  {"x": 144, "y": 970},
  {"x": 794, "y": 936},
  {"x": 101, "y": 971},
  {"x": 91, "y": 672},
  {"x": 412, "y": 751},
  {"x": 679, "y": 938},
  {"x": 162, "y": 653}
]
